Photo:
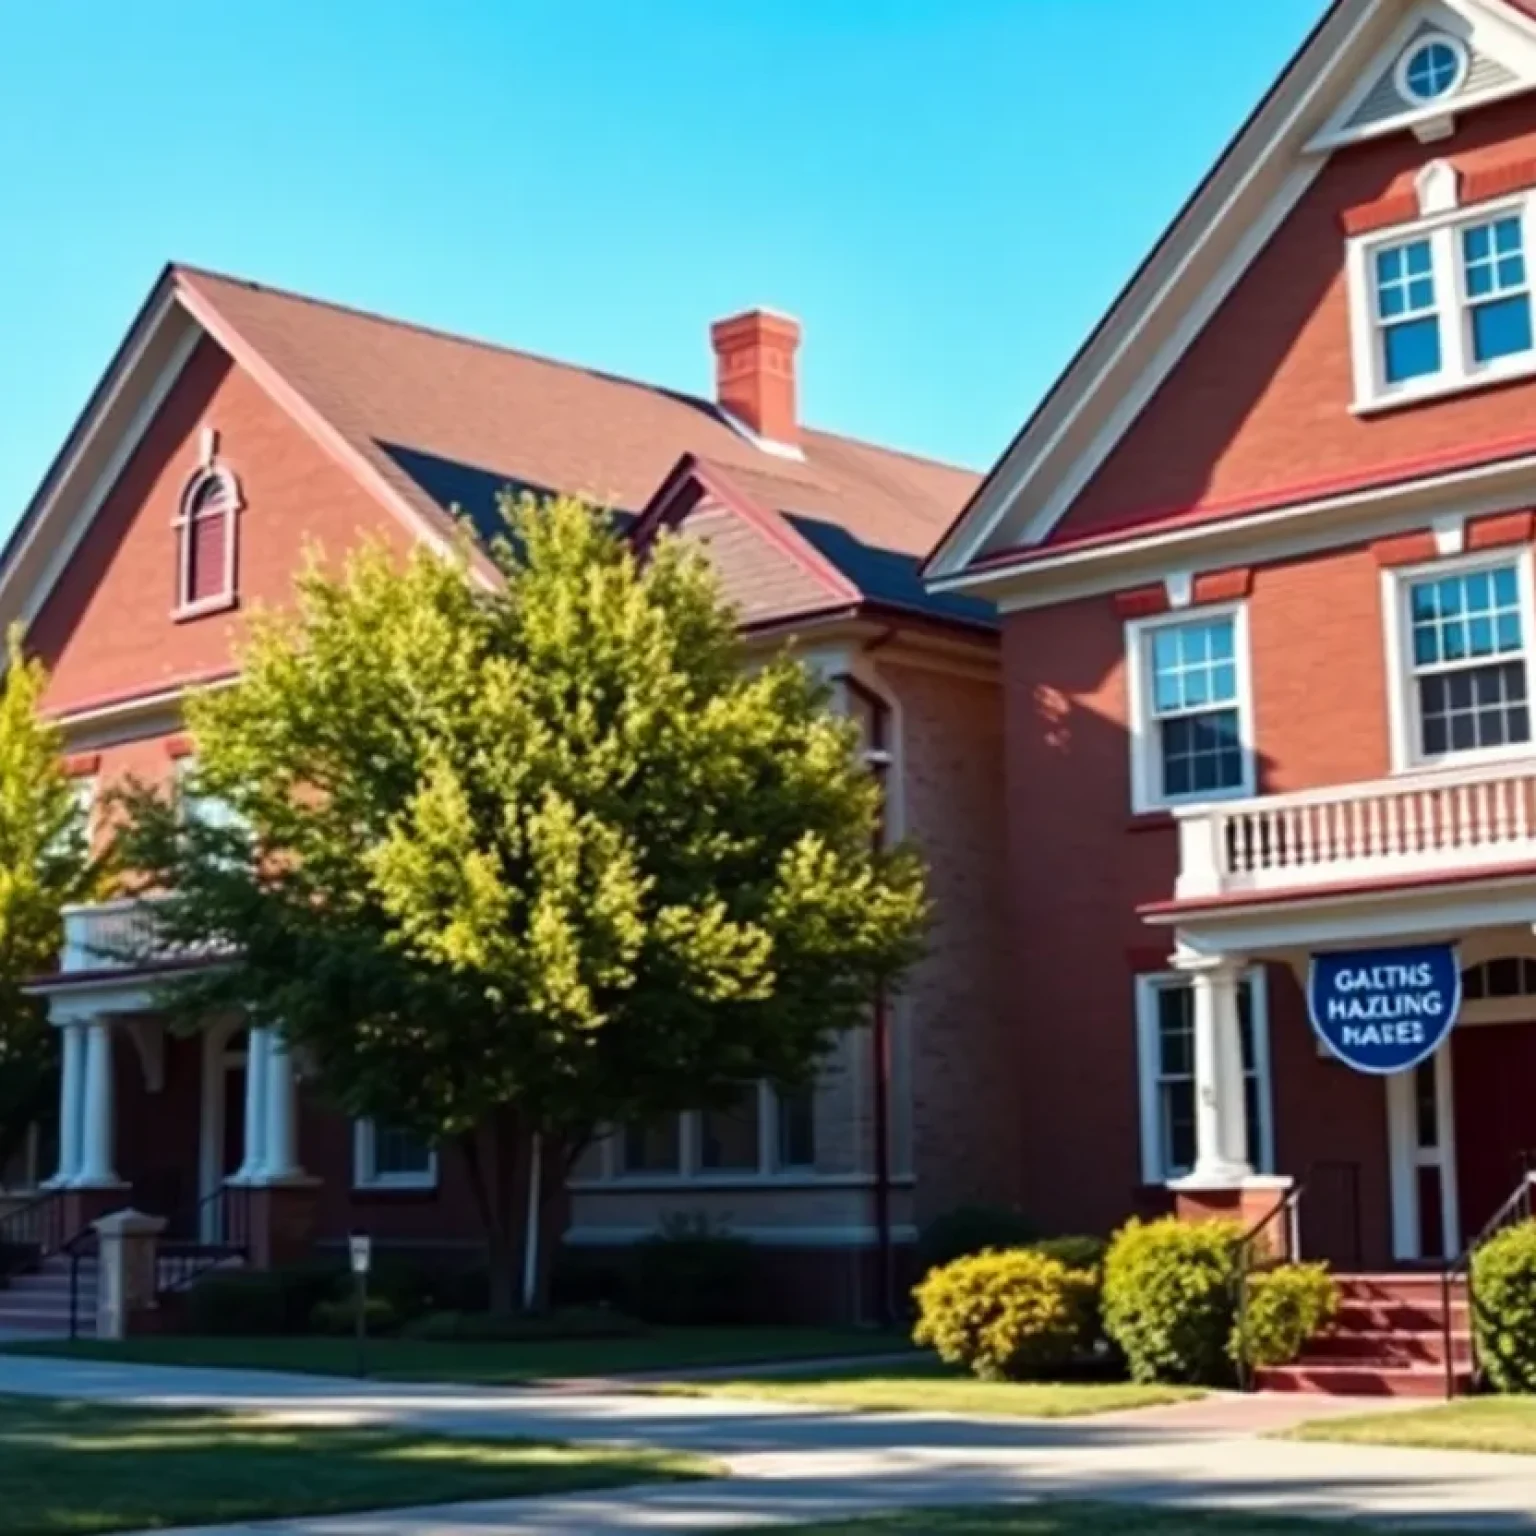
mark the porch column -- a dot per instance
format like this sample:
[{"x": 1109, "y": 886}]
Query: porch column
[
  {"x": 282, "y": 1161},
  {"x": 96, "y": 1130},
  {"x": 71, "y": 1100},
  {"x": 1221, "y": 1112},
  {"x": 253, "y": 1167}
]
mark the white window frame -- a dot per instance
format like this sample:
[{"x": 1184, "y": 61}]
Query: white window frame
[
  {"x": 1402, "y": 691},
  {"x": 1413, "y": 50},
  {"x": 365, "y": 1174},
  {"x": 1149, "y": 986},
  {"x": 1459, "y": 371},
  {"x": 215, "y": 602},
  {"x": 1146, "y": 759}
]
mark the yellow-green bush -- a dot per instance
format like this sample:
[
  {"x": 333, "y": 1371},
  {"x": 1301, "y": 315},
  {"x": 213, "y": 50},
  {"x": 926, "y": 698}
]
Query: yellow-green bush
[
  {"x": 1504, "y": 1288},
  {"x": 1005, "y": 1314},
  {"x": 1286, "y": 1306},
  {"x": 1170, "y": 1298}
]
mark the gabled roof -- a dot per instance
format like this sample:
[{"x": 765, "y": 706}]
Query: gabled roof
[
  {"x": 434, "y": 422},
  {"x": 1010, "y": 520}
]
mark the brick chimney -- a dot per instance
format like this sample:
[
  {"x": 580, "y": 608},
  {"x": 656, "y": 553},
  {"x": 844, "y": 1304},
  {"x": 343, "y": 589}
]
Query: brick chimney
[{"x": 755, "y": 372}]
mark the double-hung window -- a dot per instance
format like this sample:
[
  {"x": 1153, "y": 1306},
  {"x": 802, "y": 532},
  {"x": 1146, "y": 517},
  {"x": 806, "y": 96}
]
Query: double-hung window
[
  {"x": 1189, "y": 709},
  {"x": 1165, "y": 1025},
  {"x": 1443, "y": 306},
  {"x": 1467, "y": 659}
]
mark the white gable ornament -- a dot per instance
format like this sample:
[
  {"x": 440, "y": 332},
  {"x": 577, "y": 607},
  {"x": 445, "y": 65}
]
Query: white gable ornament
[{"x": 1439, "y": 188}]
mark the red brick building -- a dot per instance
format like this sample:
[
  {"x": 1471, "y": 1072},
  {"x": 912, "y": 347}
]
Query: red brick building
[
  {"x": 1263, "y": 560},
  {"x": 235, "y": 426}
]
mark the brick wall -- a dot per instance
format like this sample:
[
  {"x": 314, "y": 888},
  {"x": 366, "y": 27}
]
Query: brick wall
[{"x": 1258, "y": 406}]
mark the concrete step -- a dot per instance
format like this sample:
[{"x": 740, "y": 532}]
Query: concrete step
[
  {"x": 1359, "y": 1379},
  {"x": 1387, "y": 1347},
  {"x": 1400, "y": 1317}
]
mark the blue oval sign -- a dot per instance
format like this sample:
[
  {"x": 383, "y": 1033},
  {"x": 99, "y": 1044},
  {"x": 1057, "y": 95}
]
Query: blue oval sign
[{"x": 1385, "y": 1010}]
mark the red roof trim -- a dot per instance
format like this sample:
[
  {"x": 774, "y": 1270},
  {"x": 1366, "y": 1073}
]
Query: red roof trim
[
  {"x": 166, "y": 690},
  {"x": 1141, "y": 525},
  {"x": 1476, "y": 187},
  {"x": 1248, "y": 901}
]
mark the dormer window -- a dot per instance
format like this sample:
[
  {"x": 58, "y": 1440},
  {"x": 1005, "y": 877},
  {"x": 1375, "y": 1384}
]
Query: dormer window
[
  {"x": 1433, "y": 68},
  {"x": 206, "y": 542},
  {"x": 1443, "y": 304}
]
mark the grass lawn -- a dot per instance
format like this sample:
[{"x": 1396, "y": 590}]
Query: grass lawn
[
  {"x": 658, "y": 1349},
  {"x": 926, "y": 1386},
  {"x": 1051, "y": 1519},
  {"x": 1476, "y": 1424},
  {"x": 72, "y": 1468}
]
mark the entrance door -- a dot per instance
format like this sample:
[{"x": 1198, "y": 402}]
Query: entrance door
[{"x": 1495, "y": 1081}]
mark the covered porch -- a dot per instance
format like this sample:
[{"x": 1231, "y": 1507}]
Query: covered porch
[
  {"x": 1270, "y": 884},
  {"x": 200, "y": 1129}
]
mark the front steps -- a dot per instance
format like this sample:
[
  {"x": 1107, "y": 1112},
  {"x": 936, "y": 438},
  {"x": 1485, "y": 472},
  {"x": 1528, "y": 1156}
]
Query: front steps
[
  {"x": 37, "y": 1302},
  {"x": 1387, "y": 1341}
]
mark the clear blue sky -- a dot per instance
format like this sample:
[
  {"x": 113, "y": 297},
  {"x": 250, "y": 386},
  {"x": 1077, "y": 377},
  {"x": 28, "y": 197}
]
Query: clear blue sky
[{"x": 946, "y": 192}]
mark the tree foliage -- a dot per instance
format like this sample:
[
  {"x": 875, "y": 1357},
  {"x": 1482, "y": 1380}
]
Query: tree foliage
[
  {"x": 548, "y": 852},
  {"x": 45, "y": 864}
]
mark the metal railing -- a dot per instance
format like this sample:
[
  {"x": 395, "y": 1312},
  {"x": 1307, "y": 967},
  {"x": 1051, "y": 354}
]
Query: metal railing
[
  {"x": 30, "y": 1233},
  {"x": 225, "y": 1216},
  {"x": 1520, "y": 1207},
  {"x": 82, "y": 1246},
  {"x": 1288, "y": 1212}
]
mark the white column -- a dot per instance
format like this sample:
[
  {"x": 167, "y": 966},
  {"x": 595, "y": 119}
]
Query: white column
[
  {"x": 71, "y": 1101},
  {"x": 1221, "y": 1113},
  {"x": 282, "y": 1160},
  {"x": 253, "y": 1169},
  {"x": 96, "y": 1133}
]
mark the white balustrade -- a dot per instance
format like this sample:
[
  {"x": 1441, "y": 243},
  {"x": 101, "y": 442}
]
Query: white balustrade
[
  {"x": 119, "y": 936},
  {"x": 1435, "y": 823}
]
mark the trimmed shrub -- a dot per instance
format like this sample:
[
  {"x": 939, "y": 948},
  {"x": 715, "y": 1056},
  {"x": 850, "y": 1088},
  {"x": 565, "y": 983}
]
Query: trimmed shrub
[
  {"x": 571, "y": 1323},
  {"x": 1004, "y": 1315},
  {"x": 972, "y": 1229},
  {"x": 1286, "y": 1306},
  {"x": 256, "y": 1301},
  {"x": 1170, "y": 1298},
  {"x": 691, "y": 1272},
  {"x": 1504, "y": 1285},
  {"x": 340, "y": 1315}
]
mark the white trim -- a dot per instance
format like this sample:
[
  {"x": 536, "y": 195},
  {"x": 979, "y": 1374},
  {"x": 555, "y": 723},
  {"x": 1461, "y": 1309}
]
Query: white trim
[
  {"x": 1402, "y": 1146},
  {"x": 117, "y": 461},
  {"x": 1148, "y": 986},
  {"x": 769, "y": 445},
  {"x": 1146, "y": 792},
  {"x": 365, "y": 1176},
  {"x": 1441, "y": 99},
  {"x": 1459, "y": 371},
  {"x": 1402, "y": 695}
]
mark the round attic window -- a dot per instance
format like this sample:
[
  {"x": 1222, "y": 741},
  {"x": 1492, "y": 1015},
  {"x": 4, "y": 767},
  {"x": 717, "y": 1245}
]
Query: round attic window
[{"x": 1432, "y": 68}]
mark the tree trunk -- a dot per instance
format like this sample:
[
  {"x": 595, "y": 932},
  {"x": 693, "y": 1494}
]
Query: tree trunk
[{"x": 498, "y": 1160}]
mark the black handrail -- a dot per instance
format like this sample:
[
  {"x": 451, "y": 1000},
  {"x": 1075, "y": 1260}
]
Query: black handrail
[
  {"x": 182, "y": 1261},
  {"x": 1247, "y": 1246},
  {"x": 31, "y": 1233},
  {"x": 83, "y": 1243},
  {"x": 1520, "y": 1206}
]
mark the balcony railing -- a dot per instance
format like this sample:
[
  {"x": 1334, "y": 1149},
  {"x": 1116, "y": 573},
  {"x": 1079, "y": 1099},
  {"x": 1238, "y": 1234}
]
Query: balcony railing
[
  {"x": 1449, "y": 821},
  {"x": 120, "y": 936}
]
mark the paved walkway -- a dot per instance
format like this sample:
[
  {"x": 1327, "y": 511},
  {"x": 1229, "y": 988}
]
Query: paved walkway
[{"x": 791, "y": 1464}]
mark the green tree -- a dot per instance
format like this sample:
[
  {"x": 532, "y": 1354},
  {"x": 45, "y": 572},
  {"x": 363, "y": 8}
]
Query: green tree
[
  {"x": 45, "y": 863},
  {"x": 526, "y": 858}
]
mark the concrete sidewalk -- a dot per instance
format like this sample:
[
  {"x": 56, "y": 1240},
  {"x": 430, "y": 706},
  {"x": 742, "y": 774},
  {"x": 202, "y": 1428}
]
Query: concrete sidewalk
[{"x": 791, "y": 1464}]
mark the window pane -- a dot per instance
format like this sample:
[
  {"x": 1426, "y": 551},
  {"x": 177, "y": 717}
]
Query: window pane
[
  {"x": 399, "y": 1154},
  {"x": 1475, "y": 708},
  {"x": 1426, "y": 1107},
  {"x": 1175, "y": 1031},
  {"x": 1501, "y": 328},
  {"x": 1412, "y": 349},
  {"x": 797, "y": 1127},
  {"x": 654, "y": 1148},
  {"x": 1177, "y": 1100},
  {"x": 1201, "y": 753},
  {"x": 728, "y": 1137}
]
